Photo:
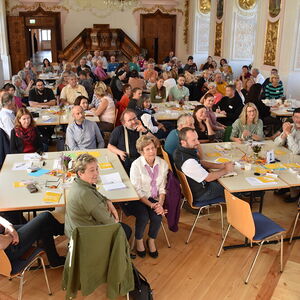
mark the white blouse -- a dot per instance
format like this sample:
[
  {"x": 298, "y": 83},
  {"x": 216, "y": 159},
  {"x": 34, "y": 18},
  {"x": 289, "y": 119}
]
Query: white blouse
[
  {"x": 141, "y": 179},
  {"x": 109, "y": 114}
]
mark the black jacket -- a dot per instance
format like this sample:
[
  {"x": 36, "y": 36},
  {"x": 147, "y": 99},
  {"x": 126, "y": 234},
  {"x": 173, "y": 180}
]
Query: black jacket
[
  {"x": 17, "y": 146},
  {"x": 4, "y": 146}
]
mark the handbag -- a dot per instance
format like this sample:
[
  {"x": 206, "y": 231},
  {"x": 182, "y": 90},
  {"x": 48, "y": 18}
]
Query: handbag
[{"x": 142, "y": 289}]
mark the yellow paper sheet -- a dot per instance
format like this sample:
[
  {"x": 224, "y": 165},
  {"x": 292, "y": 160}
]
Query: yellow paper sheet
[
  {"x": 292, "y": 165},
  {"x": 222, "y": 160},
  {"x": 266, "y": 179},
  {"x": 52, "y": 197},
  {"x": 18, "y": 184},
  {"x": 105, "y": 166},
  {"x": 260, "y": 170},
  {"x": 279, "y": 152},
  {"x": 275, "y": 166},
  {"x": 213, "y": 154},
  {"x": 93, "y": 153}
]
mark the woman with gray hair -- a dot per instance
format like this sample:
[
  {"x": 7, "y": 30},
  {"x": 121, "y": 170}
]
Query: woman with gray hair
[
  {"x": 85, "y": 205},
  {"x": 148, "y": 174},
  {"x": 20, "y": 91}
]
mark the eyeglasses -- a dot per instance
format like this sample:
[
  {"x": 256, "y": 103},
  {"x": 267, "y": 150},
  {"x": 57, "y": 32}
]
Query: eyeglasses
[{"x": 133, "y": 119}]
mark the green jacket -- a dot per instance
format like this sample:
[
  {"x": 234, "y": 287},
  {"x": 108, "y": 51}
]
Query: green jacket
[
  {"x": 85, "y": 206},
  {"x": 97, "y": 255}
]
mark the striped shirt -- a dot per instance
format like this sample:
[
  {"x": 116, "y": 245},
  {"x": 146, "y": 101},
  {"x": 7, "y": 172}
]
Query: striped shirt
[{"x": 272, "y": 92}]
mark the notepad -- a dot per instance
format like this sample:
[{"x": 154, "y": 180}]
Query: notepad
[
  {"x": 292, "y": 165},
  {"x": 222, "y": 160},
  {"x": 279, "y": 152},
  {"x": 112, "y": 181},
  {"x": 275, "y": 166},
  {"x": 105, "y": 166},
  {"x": 21, "y": 166},
  {"x": 52, "y": 197},
  {"x": 256, "y": 181},
  {"x": 93, "y": 153},
  {"x": 39, "y": 172},
  {"x": 213, "y": 154},
  {"x": 17, "y": 184}
]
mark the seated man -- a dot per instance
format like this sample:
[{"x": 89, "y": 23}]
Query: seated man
[
  {"x": 123, "y": 138},
  {"x": 16, "y": 240},
  {"x": 83, "y": 134},
  {"x": 149, "y": 72},
  {"x": 112, "y": 65},
  {"x": 172, "y": 140},
  {"x": 231, "y": 104},
  {"x": 7, "y": 113},
  {"x": 290, "y": 137},
  {"x": 82, "y": 65},
  {"x": 190, "y": 66},
  {"x": 179, "y": 92},
  {"x": 203, "y": 184},
  {"x": 221, "y": 85},
  {"x": 87, "y": 83},
  {"x": 70, "y": 92},
  {"x": 258, "y": 77},
  {"x": 40, "y": 96},
  {"x": 85, "y": 205}
]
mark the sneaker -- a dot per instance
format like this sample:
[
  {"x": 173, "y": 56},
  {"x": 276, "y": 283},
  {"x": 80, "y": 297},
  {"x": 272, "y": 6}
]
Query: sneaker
[{"x": 60, "y": 262}]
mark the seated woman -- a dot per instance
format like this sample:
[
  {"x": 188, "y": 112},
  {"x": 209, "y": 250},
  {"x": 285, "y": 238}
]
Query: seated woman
[
  {"x": 103, "y": 106},
  {"x": 62, "y": 82},
  {"x": 218, "y": 128},
  {"x": 212, "y": 89},
  {"x": 224, "y": 62},
  {"x": 148, "y": 175},
  {"x": 116, "y": 84},
  {"x": 158, "y": 92},
  {"x": 123, "y": 103},
  {"x": 17, "y": 240},
  {"x": 47, "y": 67},
  {"x": 83, "y": 102},
  {"x": 274, "y": 90},
  {"x": 247, "y": 86},
  {"x": 207, "y": 63},
  {"x": 169, "y": 81},
  {"x": 135, "y": 81},
  {"x": 85, "y": 205},
  {"x": 25, "y": 137},
  {"x": 100, "y": 72},
  {"x": 248, "y": 125},
  {"x": 239, "y": 89},
  {"x": 203, "y": 125},
  {"x": 10, "y": 89},
  {"x": 145, "y": 113}
]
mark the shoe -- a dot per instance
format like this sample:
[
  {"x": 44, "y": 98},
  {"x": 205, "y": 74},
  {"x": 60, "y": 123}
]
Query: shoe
[
  {"x": 132, "y": 256},
  {"x": 59, "y": 263},
  {"x": 281, "y": 191},
  {"x": 153, "y": 254},
  {"x": 291, "y": 199},
  {"x": 141, "y": 254}
]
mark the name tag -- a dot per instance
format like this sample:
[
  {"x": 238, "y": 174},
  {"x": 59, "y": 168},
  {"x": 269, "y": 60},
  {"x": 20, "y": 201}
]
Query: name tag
[{"x": 230, "y": 106}]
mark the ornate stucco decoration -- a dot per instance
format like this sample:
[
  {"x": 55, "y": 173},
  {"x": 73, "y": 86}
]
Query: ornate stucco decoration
[
  {"x": 218, "y": 39},
  {"x": 204, "y": 6},
  {"x": 247, "y": 4},
  {"x": 271, "y": 43}
]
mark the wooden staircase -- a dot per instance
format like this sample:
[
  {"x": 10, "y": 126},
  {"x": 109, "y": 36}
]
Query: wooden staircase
[{"x": 100, "y": 37}]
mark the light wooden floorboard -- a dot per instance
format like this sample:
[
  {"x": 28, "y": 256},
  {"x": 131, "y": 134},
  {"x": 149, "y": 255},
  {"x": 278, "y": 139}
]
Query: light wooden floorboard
[{"x": 193, "y": 272}]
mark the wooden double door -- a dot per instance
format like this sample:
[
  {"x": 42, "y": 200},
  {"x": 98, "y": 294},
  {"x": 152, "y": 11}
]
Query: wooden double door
[{"x": 158, "y": 34}]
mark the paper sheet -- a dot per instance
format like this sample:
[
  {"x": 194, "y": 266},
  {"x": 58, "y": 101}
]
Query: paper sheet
[
  {"x": 213, "y": 154},
  {"x": 112, "y": 181},
  {"x": 255, "y": 181},
  {"x": 93, "y": 153},
  {"x": 52, "y": 197},
  {"x": 222, "y": 160},
  {"x": 106, "y": 166},
  {"x": 279, "y": 152},
  {"x": 39, "y": 172},
  {"x": 30, "y": 156},
  {"x": 276, "y": 166},
  {"x": 21, "y": 166}
]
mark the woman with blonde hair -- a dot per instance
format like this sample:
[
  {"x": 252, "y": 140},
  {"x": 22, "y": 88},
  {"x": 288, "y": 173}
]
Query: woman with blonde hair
[
  {"x": 25, "y": 137},
  {"x": 169, "y": 81},
  {"x": 248, "y": 125},
  {"x": 148, "y": 174},
  {"x": 103, "y": 106}
]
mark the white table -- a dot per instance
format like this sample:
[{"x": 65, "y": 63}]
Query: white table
[{"x": 19, "y": 198}]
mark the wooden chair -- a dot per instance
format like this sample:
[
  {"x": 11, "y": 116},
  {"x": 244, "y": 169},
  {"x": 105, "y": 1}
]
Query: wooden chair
[
  {"x": 205, "y": 205},
  {"x": 295, "y": 223},
  {"x": 19, "y": 267},
  {"x": 166, "y": 158},
  {"x": 116, "y": 116},
  {"x": 254, "y": 226}
]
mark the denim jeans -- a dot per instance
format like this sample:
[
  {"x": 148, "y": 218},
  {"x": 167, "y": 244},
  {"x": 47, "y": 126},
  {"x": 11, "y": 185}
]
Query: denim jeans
[
  {"x": 212, "y": 191},
  {"x": 42, "y": 227},
  {"x": 143, "y": 214}
]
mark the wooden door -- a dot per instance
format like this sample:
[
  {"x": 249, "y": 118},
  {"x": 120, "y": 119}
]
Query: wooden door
[
  {"x": 17, "y": 43},
  {"x": 158, "y": 33}
]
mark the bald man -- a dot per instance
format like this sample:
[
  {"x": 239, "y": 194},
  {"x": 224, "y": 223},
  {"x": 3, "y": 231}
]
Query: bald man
[{"x": 83, "y": 134}]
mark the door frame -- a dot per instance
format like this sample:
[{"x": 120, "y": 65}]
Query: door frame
[
  {"x": 158, "y": 12},
  {"x": 54, "y": 26}
]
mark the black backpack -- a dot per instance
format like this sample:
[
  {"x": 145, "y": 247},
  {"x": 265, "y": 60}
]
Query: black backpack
[{"x": 142, "y": 289}]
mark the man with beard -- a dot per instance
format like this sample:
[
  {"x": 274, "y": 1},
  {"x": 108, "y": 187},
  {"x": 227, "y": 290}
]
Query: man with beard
[
  {"x": 179, "y": 92},
  {"x": 40, "y": 96}
]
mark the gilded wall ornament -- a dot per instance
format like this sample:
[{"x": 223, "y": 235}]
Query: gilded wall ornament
[
  {"x": 247, "y": 4},
  {"x": 204, "y": 6},
  {"x": 186, "y": 22},
  {"x": 218, "y": 39},
  {"x": 271, "y": 43},
  {"x": 160, "y": 7},
  {"x": 35, "y": 6},
  {"x": 274, "y": 8}
]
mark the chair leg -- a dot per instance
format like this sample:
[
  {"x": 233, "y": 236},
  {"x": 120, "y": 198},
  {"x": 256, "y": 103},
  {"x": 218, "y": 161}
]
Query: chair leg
[
  {"x": 194, "y": 224},
  {"x": 132, "y": 242},
  {"x": 281, "y": 253},
  {"x": 127, "y": 296},
  {"x": 183, "y": 200},
  {"x": 295, "y": 224},
  {"x": 254, "y": 261},
  {"x": 224, "y": 238},
  {"x": 21, "y": 286},
  {"x": 165, "y": 233},
  {"x": 45, "y": 274},
  {"x": 222, "y": 221}
]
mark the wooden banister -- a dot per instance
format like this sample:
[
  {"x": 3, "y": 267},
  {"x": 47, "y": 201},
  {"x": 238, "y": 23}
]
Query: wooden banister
[{"x": 100, "y": 37}]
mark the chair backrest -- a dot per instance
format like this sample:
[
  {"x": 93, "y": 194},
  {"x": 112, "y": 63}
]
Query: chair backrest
[
  {"x": 239, "y": 215},
  {"x": 166, "y": 158},
  {"x": 116, "y": 116},
  {"x": 5, "y": 265},
  {"x": 185, "y": 187}
]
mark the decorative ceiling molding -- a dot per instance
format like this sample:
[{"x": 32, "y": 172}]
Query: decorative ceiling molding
[
  {"x": 23, "y": 7},
  {"x": 156, "y": 7}
]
